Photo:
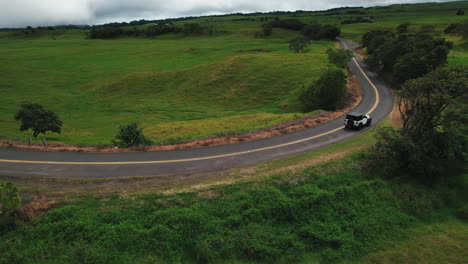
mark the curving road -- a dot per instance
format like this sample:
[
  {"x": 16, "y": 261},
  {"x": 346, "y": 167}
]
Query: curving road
[{"x": 377, "y": 101}]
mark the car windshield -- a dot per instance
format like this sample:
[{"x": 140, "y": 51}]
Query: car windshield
[{"x": 353, "y": 117}]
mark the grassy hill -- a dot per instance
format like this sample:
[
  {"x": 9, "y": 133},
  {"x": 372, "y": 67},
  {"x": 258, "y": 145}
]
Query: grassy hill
[
  {"x": 183, "y": 86},
  {"x": 95, "y": 85}
]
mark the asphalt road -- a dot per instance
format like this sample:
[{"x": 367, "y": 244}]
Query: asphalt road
[{"x": 377, "y": 101}]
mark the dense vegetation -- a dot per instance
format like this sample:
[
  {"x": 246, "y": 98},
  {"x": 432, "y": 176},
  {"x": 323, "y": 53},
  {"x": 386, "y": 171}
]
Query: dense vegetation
[
  {"x": 326, "y": 214},
  {"x": 433, "y": 141},
  {"x": 327, "y": 92},
  {"x": 405, "y": 55}
]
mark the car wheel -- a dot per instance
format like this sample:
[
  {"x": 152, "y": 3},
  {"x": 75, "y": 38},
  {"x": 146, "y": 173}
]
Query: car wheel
[
  {"x": 369, "y": 122},
  {"x": 360, "y": 126}
]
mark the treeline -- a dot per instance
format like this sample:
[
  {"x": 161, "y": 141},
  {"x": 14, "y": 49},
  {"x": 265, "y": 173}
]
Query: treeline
[
  {"x": 357, "y": 20},
  {"x": 458, "y": 29},
  {"x": 187, "y": 29},
  {"x": 405, "y": 55},
  {"x": 309, "y": 31}
]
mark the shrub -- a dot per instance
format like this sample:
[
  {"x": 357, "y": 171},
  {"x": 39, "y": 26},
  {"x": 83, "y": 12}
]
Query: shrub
[
  {"x": 339, "y": 57},
  {"x": 298, "y": 45},
  {"x": 130, "y": 135},
  {"x": 267, "y": 29},
  {"x": 10, "y": 199},
  {"x": 327, "y": 92}
]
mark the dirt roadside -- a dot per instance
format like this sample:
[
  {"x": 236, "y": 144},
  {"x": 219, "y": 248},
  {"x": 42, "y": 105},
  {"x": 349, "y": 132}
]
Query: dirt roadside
[{"x": 352, "y": 99}]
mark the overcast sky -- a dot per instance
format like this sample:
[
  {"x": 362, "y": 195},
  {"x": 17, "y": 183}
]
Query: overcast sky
[{"x": 21, "y": 13}]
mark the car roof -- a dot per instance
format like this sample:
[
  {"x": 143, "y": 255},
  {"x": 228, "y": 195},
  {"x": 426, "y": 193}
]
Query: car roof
[{"x": 355, "y": 114}]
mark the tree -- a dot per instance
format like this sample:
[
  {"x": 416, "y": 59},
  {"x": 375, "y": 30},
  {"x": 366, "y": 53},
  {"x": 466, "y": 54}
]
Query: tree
[
  {"x": 38, "y": 119},
  {"x": 403, "y": 28},
  {"x": 406, "y": 56},
  {"x": 327, "y": 92},
  {"x": 10, "y": 199},
  {"x": 299, "y": 45},
  {"x": 318, "y": 31},
  {"x": 267, "y": 29},
  {"x": 433, "y": 140},
  {"x": 339, "y": 57},
  {"x": 130, "y": 135},
  {"x": 291, "y": 24}
]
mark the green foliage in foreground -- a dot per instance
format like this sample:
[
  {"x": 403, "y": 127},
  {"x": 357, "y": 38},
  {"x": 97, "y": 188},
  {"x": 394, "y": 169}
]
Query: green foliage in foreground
[
  {"x": 333, "y": 213},
  {"x": 433, "y": 141},
  {"x": 10, "y": 199}
]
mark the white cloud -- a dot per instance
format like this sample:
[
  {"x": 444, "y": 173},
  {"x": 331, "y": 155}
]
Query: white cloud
[{"x": 20, "y": 13}]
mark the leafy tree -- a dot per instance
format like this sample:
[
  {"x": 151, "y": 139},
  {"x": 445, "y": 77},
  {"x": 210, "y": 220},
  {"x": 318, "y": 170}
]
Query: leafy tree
[
  {"x": 403, "y": 28},
  {"x": 38, "y": 119},
  {"x": 130, "y": 135},
  {"x": 10, "y": 199},
  {"x": 339, "y": 57},
  {"x": 267, "y": 29},
  {"x": 327, "y": 92},
  {"x": 452, "y": 28},
  {"x": 318, "y": 31},
  {"x": 105, "y": 32},
  {"x": 374, "y": 38},
  {"x": 298, "y": 45},
  {"x": 434, "y": 138},
  {"x": 427, "y": 55},
  {"x": 406, "y": 56},
  {"x": 192, "y": 29},
  {"x": 291, "y": 24}
]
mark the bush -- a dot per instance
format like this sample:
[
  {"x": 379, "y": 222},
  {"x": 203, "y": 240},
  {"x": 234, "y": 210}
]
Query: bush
[
  {"x": 327, "y": 92},
  {"x": 10, "y": 199},
  {"x": 267, "y": 29},
  {"x": 130, "y": 135},
  {"x": 339, "y": 57},
  {"x": 298, "y": 45}
]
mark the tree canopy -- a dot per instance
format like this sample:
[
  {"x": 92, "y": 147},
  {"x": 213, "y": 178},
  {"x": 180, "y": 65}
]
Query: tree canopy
[
  {"x": 433, "y": 140},
  {"x": 405, "y": 55},
  {"x": 327, "y": 92},
  {"x": 38, "y": 119},
  {"x": 298, "y": 45},
  {"x": 339, "y": 57}
]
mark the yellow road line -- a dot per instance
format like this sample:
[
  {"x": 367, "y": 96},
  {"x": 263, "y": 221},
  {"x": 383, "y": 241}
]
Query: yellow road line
[
  {"x": 171, "y": 161},
  {"x": 202, "y": 158},
  {"x": 377, "y": 95}
]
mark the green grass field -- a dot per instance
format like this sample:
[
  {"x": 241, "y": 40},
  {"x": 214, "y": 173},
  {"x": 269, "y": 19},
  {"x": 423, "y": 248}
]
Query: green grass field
[
  {"x": 176, "y": 86},
  {"x": 187, "y": 87}
]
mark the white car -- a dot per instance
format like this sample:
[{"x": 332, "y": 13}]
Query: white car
[{"x": 357, "y": 120}]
